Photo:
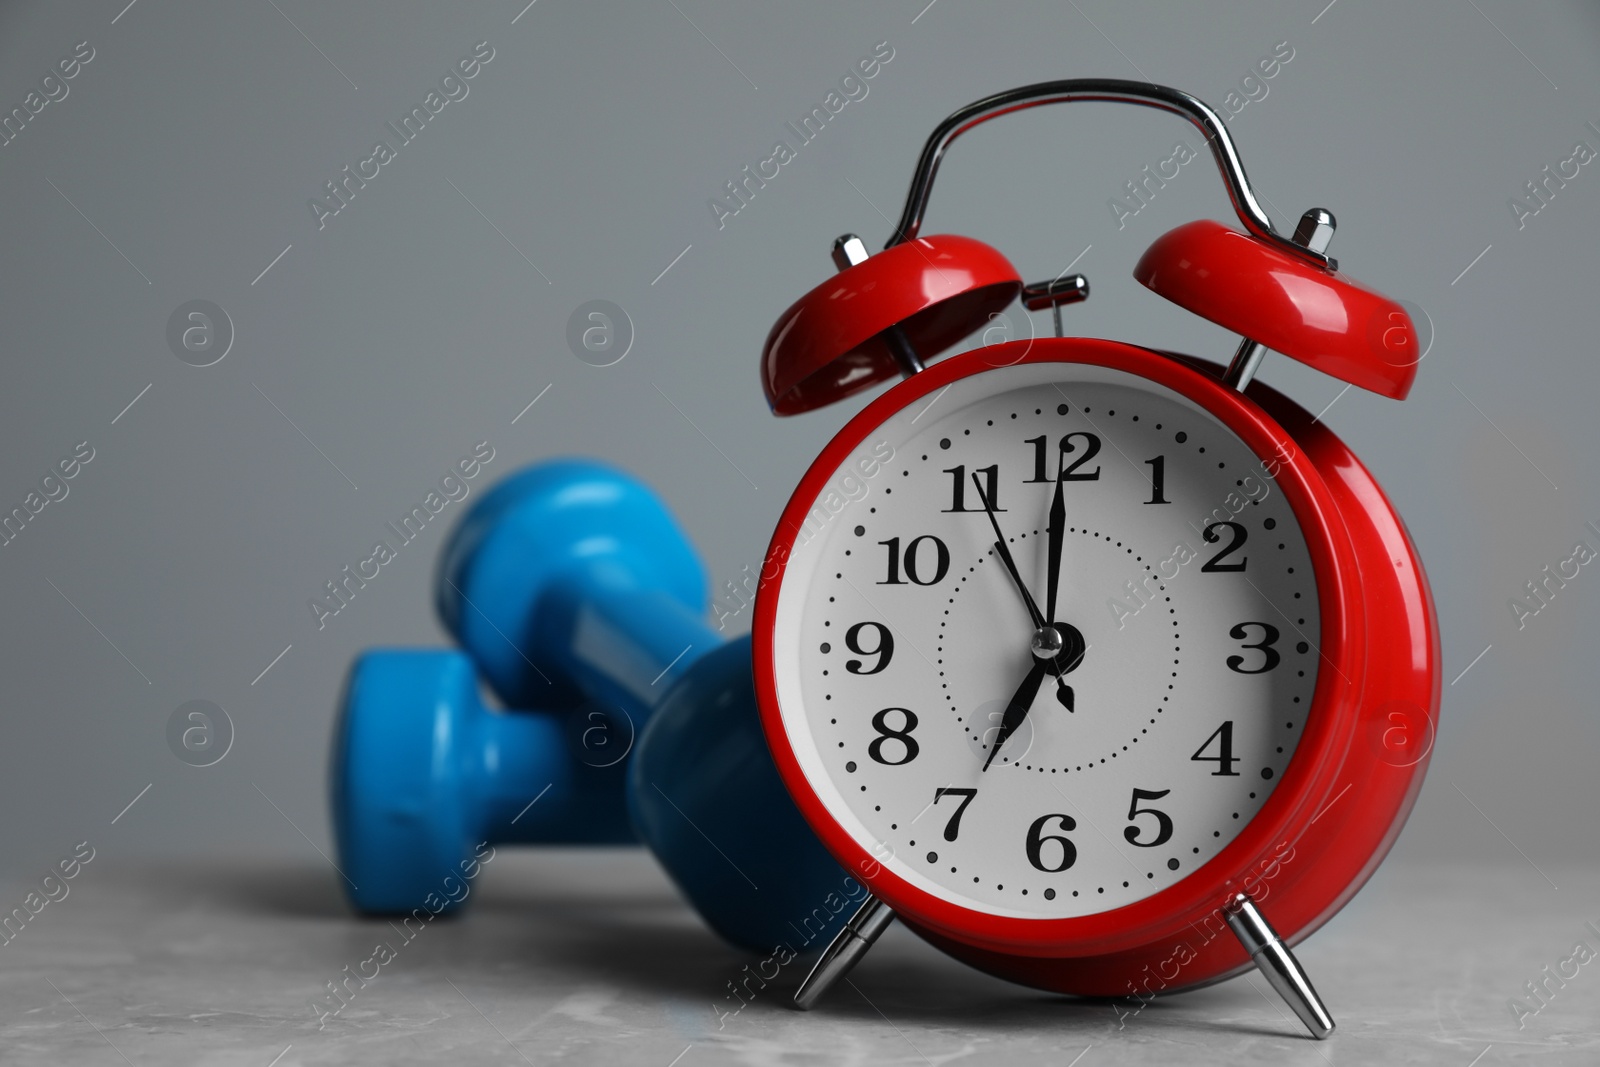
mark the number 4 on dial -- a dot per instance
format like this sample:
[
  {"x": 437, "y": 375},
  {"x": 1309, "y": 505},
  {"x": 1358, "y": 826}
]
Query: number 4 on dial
[{"x": 1224, "y": 759}]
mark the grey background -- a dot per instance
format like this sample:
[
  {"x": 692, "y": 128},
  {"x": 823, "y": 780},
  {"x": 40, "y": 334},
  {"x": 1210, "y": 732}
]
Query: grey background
[{"x": 378, "y": 350}]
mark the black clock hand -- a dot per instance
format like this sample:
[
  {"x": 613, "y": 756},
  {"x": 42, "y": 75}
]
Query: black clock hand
[
  {"x": 1005, "y": 556},
  {"x": 1057, "y": 530},
  {"x": 1057, "y": 666},
  {"x": 1017, "y": 710}
]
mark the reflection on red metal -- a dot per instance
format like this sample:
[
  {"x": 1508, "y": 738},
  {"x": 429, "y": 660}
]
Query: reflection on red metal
[
  {"x": 829, "y": 343},
  {"x": 1323, "y": 318}
]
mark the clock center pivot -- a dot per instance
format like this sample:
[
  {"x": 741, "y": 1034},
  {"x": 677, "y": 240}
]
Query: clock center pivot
[{"x": 1058, "y": 643}]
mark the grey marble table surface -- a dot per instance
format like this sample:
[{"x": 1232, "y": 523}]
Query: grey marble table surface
[{"x": 590, "y": 957}]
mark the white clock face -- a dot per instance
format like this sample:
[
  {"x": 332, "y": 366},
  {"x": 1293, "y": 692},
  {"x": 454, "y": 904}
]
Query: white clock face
[{"x": 901, "y": 639}]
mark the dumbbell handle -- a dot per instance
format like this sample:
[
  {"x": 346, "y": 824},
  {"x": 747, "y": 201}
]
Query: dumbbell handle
[
  {"x": 532, "y": 791},
  {"x": 624, "y": 646}
]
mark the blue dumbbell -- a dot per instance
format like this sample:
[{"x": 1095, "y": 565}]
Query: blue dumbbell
[
  {"x": 704, "y": 794},
  {"x": 423, "y": 774},
  {"x": 571, "y": 587}
]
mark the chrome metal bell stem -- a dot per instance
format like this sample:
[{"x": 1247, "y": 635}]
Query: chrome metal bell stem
[
  {"x": 848, "y": 250},
  {"x": 1244, "y": 364},
  {"x": 1315, "y": 232},
  {"x": 1064, "y": 288}
]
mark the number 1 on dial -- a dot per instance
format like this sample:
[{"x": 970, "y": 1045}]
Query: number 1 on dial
[{"x": 1158, "y": 480}]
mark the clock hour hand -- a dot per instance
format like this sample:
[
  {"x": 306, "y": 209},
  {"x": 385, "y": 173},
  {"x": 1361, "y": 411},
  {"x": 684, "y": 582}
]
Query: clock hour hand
[{"x": 1017, "y": 711}]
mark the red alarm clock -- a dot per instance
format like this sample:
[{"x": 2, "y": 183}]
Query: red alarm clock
[{"x": 1082, "y": 655}]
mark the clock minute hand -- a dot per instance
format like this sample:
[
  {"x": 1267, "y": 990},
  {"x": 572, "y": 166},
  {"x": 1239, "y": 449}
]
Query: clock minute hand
[
  {"x": 1057, "y": 528},
  {"x": 1005, "y": 556},
  {"x": 1057, "y": 531},
  {"x": 1017, "y": 711}
]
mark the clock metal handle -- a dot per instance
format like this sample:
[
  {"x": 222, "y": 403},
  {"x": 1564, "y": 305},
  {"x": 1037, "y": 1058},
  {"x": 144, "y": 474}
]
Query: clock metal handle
[
  {"x": 1278, "y": 964},
  {"x": 1115, "y": 90},
  {"x": 845, "y": 951}
]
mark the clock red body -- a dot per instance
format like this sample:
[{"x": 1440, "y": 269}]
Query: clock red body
[{"x": 1352, "y": 780}]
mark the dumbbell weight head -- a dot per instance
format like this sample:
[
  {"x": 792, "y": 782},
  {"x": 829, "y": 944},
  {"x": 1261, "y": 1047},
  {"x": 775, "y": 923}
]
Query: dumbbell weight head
[
  {"x": 423, "y": 773},
  {"x": 516, "y": 569},
  {"x": 705, "y": 795}
]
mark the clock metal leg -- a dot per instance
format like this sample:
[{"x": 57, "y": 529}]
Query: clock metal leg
[
  {"x": 1278, "y": 964},
  {"x": 848, "y": 946}
]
